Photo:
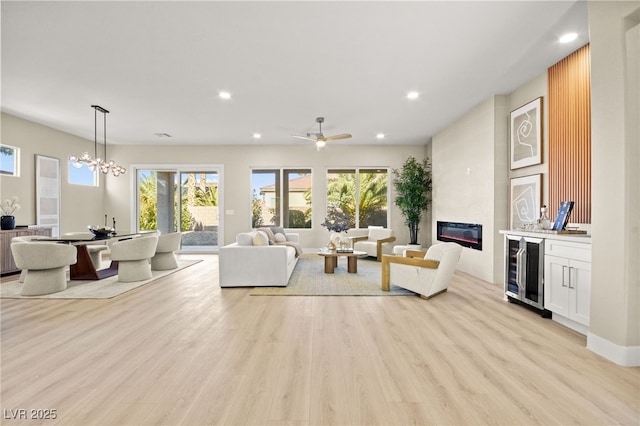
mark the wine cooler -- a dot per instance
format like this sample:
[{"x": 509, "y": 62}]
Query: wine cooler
[{"x": 525, "y": 270}]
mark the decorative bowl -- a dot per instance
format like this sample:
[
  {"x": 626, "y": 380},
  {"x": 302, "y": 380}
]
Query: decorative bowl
[{"x": 100, "y": 232}]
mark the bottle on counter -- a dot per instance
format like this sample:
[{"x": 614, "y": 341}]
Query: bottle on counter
[{"x": 544, "y": 223}]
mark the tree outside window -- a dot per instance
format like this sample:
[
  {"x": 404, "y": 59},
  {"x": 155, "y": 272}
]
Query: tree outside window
[{"x": 361, "y": 193}]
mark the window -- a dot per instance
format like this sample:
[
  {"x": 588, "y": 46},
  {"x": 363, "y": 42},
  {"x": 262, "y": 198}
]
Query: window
[
  {"x": 274, "y": 191},
  {"x": 82, "y": 175},
  {"x": 9, "y": 160},
  {"x": 360, "y": 193}
]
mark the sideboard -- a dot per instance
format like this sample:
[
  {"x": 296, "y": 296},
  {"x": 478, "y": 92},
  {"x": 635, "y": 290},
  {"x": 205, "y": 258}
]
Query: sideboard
[
  {"x": 565, "y": 263},
  {"x": 8, "y": 265}
]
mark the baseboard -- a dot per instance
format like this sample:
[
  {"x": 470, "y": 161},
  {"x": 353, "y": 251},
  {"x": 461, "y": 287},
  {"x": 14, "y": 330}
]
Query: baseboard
[
  {"x": 626, "y": 356},
  {"x": 573, "y": 325}
]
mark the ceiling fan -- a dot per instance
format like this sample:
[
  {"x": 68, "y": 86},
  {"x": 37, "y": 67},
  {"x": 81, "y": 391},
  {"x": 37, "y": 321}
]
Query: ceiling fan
[{"x": 319, "y": 138}]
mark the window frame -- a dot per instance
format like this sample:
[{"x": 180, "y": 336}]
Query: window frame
[
  {"x": 16, "y": 160},
  {"x": 357, "y": 171},
  {"x": 282, "y": 195}
]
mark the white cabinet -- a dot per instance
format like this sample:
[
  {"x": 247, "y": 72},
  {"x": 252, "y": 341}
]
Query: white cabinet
[{"x": 567, "y": 282}]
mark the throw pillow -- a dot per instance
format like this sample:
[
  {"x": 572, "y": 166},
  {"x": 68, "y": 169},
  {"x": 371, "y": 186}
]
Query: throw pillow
[
  {"x": 272, "y": 238},
  {"x": 244, "y": 239},
  {"x": 280, "y": 238},
  {"x": 278, "y": 230},
  {"x": 260, "y": 239}
]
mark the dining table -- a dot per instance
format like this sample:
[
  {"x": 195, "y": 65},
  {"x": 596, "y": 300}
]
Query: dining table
[{"x": 84, "y": 269}]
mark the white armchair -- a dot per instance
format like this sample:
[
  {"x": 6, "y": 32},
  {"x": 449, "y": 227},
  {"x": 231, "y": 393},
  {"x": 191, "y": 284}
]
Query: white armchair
[
  {"x": 376, "y": 243},
  {"x": 46, "y": 264},
  {"x": 426, "y": 274},
  {"x": 26, "y": 239},
  {"x": 165, "y": 257},
  {"x": 94, "y": 250},
  {"x": 134, "y": 258}
]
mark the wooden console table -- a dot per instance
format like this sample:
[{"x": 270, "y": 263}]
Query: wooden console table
[{"x": 8, "y": 264}]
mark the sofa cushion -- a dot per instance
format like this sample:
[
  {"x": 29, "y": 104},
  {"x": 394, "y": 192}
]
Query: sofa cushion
[
  {"x": 280, "y": 238},
  {"x": 244, "y": 239},
  {"x": 260, "y": 239}
]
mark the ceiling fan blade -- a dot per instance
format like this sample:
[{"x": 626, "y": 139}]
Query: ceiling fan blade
[
  {"x": 338, "y": 137},
  {"x": 307, "y": 138}
]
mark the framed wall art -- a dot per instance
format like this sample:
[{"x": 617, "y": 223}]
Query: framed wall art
[
  {"x": 526, "y": 135},
  {"x": 525, "y": 201},
  {"x": 48, "y": 193}
]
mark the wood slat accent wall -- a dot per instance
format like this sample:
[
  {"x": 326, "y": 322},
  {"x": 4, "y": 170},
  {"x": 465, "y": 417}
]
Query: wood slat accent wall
[{"x": 570, "y": 135}]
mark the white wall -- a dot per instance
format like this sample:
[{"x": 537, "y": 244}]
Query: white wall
[
  {"x": 82, "y": 206},
  {"x": 614, "y": 330},
  {"x": 469, "y": 179}
]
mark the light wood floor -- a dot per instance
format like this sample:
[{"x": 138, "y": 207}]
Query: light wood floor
[{"x": 183, "y": 351}]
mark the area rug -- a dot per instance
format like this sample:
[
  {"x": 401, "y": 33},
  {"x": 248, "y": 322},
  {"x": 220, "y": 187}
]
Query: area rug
[
  {"x": 100, "y": 289},
  {"x": 309, "y": 279}
]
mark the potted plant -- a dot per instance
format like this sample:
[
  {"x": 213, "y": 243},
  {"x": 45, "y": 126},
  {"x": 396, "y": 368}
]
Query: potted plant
[
  {"x": 413, "y": 193},
  {"x": 336, "y": 221}
]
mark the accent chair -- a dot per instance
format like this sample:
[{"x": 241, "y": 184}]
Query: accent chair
[
  {"x": 47, "y": 264},
  {"x": 427, "y": 274},
  {"x": 165, "y": 258},
  {"x": 376, "y": 243},
  {"x": 95, "y": 250},
  {"x": 26, "y": 239},
  {"x": 134, "y": 257}
]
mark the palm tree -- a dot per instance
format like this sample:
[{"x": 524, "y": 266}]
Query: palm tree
[
  {"x": 148, "y": 193},
  {"x": 373, "y": 198},
  {"x": 372, "y": 204}
]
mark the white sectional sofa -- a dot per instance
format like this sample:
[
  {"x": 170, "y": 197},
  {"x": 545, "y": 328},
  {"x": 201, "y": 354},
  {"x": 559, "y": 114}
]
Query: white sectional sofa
[{"x": 253, "y": 261}]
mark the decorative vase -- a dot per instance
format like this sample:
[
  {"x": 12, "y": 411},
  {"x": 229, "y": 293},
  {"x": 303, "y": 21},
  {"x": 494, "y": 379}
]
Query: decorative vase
[
  {"x": 331, "y": 246},
  {"x": 7, "y": 222}
]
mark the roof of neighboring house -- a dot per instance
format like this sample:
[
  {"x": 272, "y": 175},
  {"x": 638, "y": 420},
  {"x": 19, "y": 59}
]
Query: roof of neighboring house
[{"x": 297, "y": 185}]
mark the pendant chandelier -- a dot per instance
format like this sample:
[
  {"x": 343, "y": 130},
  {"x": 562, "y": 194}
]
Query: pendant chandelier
[{"x": 96, "y": 162}]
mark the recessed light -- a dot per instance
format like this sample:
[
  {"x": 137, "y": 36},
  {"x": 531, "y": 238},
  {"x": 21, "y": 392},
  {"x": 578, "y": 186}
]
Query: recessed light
[
  {"x": 413, "y": 95},
  {"x": 380, "y": 136},
  {"x": 257, "y": 135},
  {"x": 224, "y": 95},
  {"x": 569, "y": 37}
]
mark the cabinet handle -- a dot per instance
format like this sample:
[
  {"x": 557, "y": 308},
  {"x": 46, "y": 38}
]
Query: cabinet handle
[
  {"x": 570, "y": 269},
  {"x": 521, "y": 270},
  {"x": 563, "y": 275}
]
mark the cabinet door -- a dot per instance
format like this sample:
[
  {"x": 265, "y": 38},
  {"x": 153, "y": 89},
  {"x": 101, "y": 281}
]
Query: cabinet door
[
  {"x": 556, "y": 285},
  {"x": 580, "y": 291}
]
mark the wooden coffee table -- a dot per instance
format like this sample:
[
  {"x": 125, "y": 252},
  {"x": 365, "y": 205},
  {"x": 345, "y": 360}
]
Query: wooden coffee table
[{"x": 331, "y": 260}]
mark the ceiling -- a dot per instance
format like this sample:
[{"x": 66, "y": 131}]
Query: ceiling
[{"x": 158, "y": 66}]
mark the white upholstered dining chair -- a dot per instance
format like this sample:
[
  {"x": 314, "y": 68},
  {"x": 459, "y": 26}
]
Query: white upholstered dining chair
[
  {"x": 46, "y": 264},
  {"x": 95, "y": 250},
  {"x": 134, "y": 257},
  {"x": 165, "y": 258}
]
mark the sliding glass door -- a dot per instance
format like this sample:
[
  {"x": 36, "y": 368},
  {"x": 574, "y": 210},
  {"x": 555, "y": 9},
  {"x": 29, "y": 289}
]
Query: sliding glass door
[
  {"x": 199, "y": 210},
  {"x": 182, "y": 200}
]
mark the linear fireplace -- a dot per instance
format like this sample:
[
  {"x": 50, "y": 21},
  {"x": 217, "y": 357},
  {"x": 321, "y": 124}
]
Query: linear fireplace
[{"x": 465, "y": 234}]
